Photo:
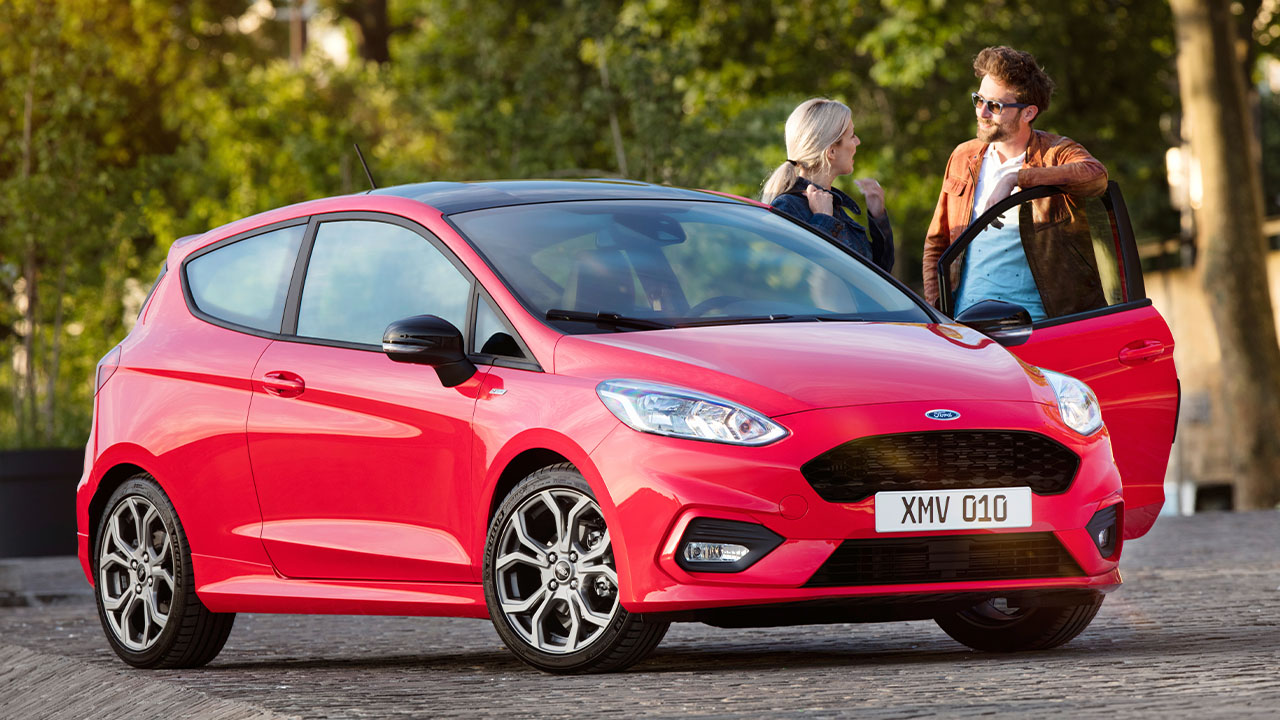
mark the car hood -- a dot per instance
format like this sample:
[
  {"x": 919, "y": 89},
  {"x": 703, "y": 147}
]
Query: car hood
[{"x": 785, "y": 367}]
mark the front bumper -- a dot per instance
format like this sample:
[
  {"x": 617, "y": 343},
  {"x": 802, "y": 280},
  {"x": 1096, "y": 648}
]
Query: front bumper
[{"x": 658, "y": 485}]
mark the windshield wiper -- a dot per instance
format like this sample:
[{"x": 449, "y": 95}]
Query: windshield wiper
[
  {"x": 740, "y": 320},
  {"x": 775, "y": 317},
  {"x": 608, "y": 318}
]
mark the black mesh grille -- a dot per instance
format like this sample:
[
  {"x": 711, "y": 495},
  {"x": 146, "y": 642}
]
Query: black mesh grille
[
  {"x": 901, "y": 561},
  {"x": 942, "y": 460}
]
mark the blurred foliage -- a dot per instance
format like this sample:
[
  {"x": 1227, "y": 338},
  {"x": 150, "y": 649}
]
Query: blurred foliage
[{"x": 130, "y": 123}]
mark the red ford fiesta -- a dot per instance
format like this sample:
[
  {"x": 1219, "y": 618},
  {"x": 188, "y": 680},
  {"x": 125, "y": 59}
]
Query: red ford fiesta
[{"x": 586, "y": 410}]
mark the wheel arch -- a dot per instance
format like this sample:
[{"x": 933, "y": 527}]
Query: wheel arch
[
  {"x": 521, "y": 466},
  {"x": 532, "y": 451},
  {"x": 113, "y": 478}
]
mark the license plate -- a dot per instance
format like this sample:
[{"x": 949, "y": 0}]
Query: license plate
[{"x": 953, "y": 509}]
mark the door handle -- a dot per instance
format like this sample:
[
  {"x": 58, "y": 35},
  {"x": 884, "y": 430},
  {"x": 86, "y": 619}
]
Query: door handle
[
  {"x": 1140, "y": 351},
  {"x": 282, "y": 383}
]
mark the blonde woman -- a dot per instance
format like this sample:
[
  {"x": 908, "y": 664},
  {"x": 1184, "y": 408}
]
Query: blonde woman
[{"x": 820, "y": 147}]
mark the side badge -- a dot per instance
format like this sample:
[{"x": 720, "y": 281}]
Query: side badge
[{"x": 942, "y": 414}]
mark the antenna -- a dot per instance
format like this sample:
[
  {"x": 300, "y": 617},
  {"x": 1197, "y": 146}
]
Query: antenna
[{"x": 365, "y": 165}]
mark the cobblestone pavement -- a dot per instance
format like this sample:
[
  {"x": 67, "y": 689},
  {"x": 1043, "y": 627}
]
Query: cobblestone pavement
[{"x": 1194, "y": 632}]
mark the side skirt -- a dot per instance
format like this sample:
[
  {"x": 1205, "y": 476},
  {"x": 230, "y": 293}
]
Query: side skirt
[
  {"x": 274, "y": 594},
  {"x": 873, "y": 608}
]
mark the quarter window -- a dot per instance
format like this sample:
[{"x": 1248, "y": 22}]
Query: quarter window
[
  {"x": 246, "y": 282},
  {"x": 364, "y": 275},
  {"x": 493, "y": 337}
]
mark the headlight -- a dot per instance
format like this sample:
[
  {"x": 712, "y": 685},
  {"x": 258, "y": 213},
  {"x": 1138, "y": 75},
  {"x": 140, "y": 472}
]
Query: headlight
[
  {"x": 1077, "y": 404},
  {"x": 667, "y": 410}
]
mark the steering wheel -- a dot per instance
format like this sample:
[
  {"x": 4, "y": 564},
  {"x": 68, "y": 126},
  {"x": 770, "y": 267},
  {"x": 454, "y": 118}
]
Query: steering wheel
[{"x": 713, "y": 303}]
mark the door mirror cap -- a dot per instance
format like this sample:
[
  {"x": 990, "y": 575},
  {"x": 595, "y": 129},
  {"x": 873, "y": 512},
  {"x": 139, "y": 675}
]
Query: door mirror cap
[
  {"x": 1007, "y": 323},
  {"x": 429, "y": 340}
]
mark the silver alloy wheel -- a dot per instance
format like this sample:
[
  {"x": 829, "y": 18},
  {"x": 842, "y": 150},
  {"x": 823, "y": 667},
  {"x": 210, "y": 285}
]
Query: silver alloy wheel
[
  {"x": 135, "y": 573},
  {"x": 554, "y": 571}
]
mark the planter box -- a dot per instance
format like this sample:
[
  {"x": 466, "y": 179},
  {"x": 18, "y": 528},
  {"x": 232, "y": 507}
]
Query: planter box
[{"x": 38, "y": 501}]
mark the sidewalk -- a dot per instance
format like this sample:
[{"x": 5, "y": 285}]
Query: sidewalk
[{"x": 32, "y": 582}]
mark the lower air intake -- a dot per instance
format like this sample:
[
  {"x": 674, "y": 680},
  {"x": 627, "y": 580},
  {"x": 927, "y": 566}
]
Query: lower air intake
[{"x": 951, "y": 558}]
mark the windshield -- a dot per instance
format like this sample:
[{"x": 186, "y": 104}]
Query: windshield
[{"x": 604, "y": 266}]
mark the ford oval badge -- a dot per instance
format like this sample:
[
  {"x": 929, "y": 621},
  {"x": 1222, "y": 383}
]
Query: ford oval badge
[{"x": 942, "y": 414}]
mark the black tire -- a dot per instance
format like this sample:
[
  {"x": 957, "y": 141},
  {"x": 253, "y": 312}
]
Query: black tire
[
  {"x": 190, "y": 635},
  {"x": 618, "y": 643},
  {"x": 990, "y": 628}
]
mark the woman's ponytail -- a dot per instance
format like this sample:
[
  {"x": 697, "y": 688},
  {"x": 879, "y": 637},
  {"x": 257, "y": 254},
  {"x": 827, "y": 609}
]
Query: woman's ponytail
[{"x": 779, "y": 182}]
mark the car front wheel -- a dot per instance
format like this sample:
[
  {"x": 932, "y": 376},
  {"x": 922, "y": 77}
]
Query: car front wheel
[
  {"x": 551, "y": 583},
  {"x": 994, "y": 626},
  {"x": 144, "y": 586}
]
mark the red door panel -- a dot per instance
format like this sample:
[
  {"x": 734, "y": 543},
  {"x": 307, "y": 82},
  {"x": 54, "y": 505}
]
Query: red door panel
[
  {"x": 1137, "y": 390},
  {"x": 361, "y": 465}
]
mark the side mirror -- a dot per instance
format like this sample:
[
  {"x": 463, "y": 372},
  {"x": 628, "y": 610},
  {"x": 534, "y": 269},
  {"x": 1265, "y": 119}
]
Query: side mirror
[
  {"x": 429, "y": 340},
  {"x": 1005, "y": 322}
]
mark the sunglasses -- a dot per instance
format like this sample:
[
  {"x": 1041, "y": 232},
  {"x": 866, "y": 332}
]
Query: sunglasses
[{"x": 994, "y": 106}]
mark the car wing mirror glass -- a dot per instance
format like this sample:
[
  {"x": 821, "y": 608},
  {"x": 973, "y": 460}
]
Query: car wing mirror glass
[
  {"x": 1007, "y": 323},
  {"x": 429, "y": 340}
]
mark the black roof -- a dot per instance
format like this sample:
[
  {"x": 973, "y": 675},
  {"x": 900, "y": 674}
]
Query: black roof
[{"x": 456, "y": 197}]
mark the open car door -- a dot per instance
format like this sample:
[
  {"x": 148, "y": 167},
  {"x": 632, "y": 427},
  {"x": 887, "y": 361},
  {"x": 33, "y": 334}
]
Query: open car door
[{"x": 1107, "y": 334}]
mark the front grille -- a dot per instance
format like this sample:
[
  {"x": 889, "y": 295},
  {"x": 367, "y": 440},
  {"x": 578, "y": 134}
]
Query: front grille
[
  {"x": 942, "y": 460},
  {"x": 951, "y": 558}
]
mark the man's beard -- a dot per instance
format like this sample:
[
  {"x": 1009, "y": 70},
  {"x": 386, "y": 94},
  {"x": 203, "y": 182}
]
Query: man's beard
[{"x": 995, "y": 132}]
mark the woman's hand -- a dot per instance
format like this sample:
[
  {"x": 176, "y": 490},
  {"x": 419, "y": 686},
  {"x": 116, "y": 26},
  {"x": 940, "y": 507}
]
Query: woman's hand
[
  {"x": 819, "y": 200},
  {"x": 874, "y": 195}
]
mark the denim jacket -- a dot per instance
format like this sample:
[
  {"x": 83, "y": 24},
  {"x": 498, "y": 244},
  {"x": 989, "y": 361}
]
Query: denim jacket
[{"x": 878, "y": 248}]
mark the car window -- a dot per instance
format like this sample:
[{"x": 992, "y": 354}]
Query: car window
[
  {"x": 246, "y": 282},
  {"x": 677, "y": 262},
  {"x": 493, "y": 336},
  {"x": 1056, "y": 256},
  {"x": 363, "y": 275},
  {"x": 758, "y": 269}
]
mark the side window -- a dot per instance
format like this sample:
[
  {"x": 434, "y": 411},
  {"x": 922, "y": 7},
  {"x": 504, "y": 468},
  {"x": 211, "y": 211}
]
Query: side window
[
  {"x": 493, "y": 336},
  {"x": 1055, "y": 255},
  {"x": 247, "y": 281},
  {"x": 363, "y": 275}
]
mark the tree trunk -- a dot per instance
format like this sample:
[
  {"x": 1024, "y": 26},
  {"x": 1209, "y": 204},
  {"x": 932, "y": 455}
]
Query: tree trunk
[
  {"x": 615, "y": 130},
  {"x": 27, "y": 417},
  {"x": 1233, "y": 249},
  {"x": 50, "y": 417},
  {"x": 297, "y": 34},
  {"x": 374, "y": 26}
]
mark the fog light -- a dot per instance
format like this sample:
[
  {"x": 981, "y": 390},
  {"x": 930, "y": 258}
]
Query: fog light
[
  {"x": 714, "y": 552},
  {"x": 724, "y": 546},
  {"x": 1104, "y": 529}
]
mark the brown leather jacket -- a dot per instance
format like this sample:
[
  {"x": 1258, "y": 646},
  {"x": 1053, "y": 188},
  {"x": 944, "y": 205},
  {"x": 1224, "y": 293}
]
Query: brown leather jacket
[{"x": 1055, "y": 235}]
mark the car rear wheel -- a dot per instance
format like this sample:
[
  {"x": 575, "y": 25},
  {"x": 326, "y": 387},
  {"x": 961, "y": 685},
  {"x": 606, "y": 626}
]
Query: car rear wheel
[
  {"x": 994, "y": 626},
  {"x": 144, "y": 586},
  {"x": 551, "y": 583}
]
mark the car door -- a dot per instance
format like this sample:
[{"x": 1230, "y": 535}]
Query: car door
[
  {"x": 1115, "y": 340},
  {"x": 361, "y": 463}
]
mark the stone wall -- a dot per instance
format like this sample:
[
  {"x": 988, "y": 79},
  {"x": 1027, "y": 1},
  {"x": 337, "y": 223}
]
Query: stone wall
[{"x": 1199, "y": 455}]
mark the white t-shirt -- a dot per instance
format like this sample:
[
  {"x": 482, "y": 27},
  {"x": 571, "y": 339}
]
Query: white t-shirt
[{"x": 995, "y": 263}]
